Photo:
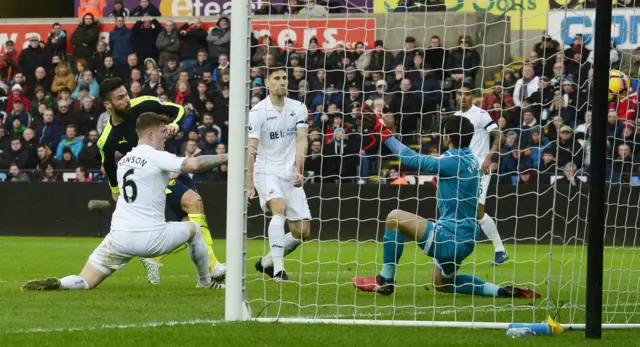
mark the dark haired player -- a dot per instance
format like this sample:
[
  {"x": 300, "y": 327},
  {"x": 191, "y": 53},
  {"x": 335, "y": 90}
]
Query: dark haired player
[
  {"x": 452, "y": 237},
  {"x": 277, "y": 148},
  {"x": 119, "y": 137}
]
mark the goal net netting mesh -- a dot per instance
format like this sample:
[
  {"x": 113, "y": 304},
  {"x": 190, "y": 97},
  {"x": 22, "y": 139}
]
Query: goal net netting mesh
[{"x": 531, "y": 68}]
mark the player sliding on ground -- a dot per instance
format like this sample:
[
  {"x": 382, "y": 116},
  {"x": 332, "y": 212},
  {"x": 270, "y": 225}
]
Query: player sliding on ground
[
  {"x": 138, "y": 226},
  {"x": 277, "y": 148},
  {"x": 484, "y": 131},
  {"x": 452, "y": 238},
  {"x": 119, "y": 137}
]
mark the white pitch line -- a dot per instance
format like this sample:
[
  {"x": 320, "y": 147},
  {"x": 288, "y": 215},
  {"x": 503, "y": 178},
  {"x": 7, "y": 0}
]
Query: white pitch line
[{"x": 117, "y": 326}]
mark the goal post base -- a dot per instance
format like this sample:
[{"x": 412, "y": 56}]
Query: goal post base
[{"x": 440, "y": 324}]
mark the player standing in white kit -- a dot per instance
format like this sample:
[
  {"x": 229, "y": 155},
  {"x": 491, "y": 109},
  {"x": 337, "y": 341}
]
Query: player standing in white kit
[
  {"x": 485, "y": 130},
  {"x": 138, "y": 226},
  {"x": 277, "y": 149}
]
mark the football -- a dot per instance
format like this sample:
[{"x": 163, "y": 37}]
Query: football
[{"x": 618, "y": 85}]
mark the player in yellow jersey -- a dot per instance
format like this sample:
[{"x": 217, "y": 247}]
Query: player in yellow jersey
[{"x": 119, "y": 137}]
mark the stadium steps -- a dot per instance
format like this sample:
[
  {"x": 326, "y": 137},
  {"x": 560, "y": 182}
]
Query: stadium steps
[
  {"x": 519, "y": 59},
  {"x": 415, "y": 147}
]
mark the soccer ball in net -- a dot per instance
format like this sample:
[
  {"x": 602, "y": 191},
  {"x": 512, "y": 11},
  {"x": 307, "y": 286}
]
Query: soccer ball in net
[{"x": 618, "y": 85}]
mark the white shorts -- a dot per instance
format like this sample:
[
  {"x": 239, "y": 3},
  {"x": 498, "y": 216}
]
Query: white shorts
[
  {"x": 118, "y": 247},
  {"x": 274, "y": 187},
  {"x": 484, "y": 186}
]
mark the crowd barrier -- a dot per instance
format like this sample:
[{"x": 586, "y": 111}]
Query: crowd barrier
[{"x": 344, "y": 212}]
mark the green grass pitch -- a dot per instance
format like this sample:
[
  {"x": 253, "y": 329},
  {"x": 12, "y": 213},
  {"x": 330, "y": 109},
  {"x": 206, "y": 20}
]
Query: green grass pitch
[{"x": 126, "y": 310}]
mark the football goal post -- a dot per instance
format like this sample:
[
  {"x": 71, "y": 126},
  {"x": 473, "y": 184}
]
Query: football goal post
[{"x": 564, "y": 192}]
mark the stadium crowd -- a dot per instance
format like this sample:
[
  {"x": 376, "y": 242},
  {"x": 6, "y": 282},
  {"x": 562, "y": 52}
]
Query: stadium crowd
[{"x": 52, "y": 117}]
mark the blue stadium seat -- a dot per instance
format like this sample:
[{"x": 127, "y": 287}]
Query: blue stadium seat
[
  {"x": 3, "y": 176},
  {"x": 515, "y": 179},
  {"x": 635, "y": 181}
]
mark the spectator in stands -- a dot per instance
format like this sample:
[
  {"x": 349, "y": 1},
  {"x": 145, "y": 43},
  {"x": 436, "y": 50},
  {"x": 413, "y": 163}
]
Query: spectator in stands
[
  {"x": 119, "y": 10},
  {"x": 315, "y": 58},
  {"x": 631, "y": 65},
  {"x": 542, "y": 98},
  {"x": 210, "y": 143},
  {"x": 81, "y": 67},
  {"x": 569, "y": 175},
  {"x": 20, "y": 155},
  {"x": 86, "y": 117},
  {"x": 68, "y": 161},
  {"x": 41, "y": 97},
  {"x": 89, "y": 81},
  {"x": 614, "y": 126},
  {"x": 168, "y": 43},
  {"x": 154, "y": 82},
  {"x": 266, "y": 45},
  {"x": 18, "y": 113},
  {"x": 37, "y": 115},
  {"x": 191, "y": 149},
  {"x": 526, "y": 86},
  {"x": 135, "y": 90},
  {"x": 82, "y": 175},
  {"x": 197, "y": 70},
  {"x": 183, "y": 90},
  {"x": 406, "y": 105},
  {"x": 9, "y": 61},
  {"x": 394, "y": 177},
  {"x": 120, "y": 41},
  {"x": 292, "y": 7},
  {"x": 568, "y": 150},
  {"x": 32, "y": 57},
  {"x": 144, "y": 35},
  {"x": 194, "y": 39},
  {"x": 49, "y": 175},
  {"x": 49, "y": 132},
  {"x": 85, "y": 38},
  {"x": 219, "y": 39},
  {"x": 625, "y": 164},
  {"x": 528, "y": 123},
  {"x": 69, "y": 141},
  {"x": 15, "y": 175},
  {"x": 498, "y": 100},
  {"x": 63, "y": 115},
  {"x": 536, "y": 62},
  {"x": 90, "y": 156},
  {"x": 535, "y": 145},
  {"x": 312, "y": 9},
  {"x": 97, "y": 60},
  {"x": 380, "y": 59},
  {"x": 577, "y": 47},
  {"x": 436, "y": 57},
  {"x": 108, "y": 71},
  {"x": 63, "y": 78},
  {"x": 547, "y": 49},
  {"x": 464, "y": 60},
  {"x": 405, "y": 57},
  {"x": 45, "y": 157},
  {"x": 266, "y": 9},
  {"x": 40, "y": 79},
  {"x": 510, "y": 154},
  {"x": 17, "y": 95},
  {"x": 145, "y": 9},
  {"x": 170, "y": 73},
  {"x": 223, "y": 65}
]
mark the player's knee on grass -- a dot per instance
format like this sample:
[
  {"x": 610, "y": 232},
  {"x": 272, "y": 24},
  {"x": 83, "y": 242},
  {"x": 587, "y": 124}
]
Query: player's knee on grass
[
  {"x": 393, "y": 219},
  {"x": 191, "y": 203},
  {"x": 439, "y": 282},
  {"x": 300, "y": 229},
  {"x": 194, "y": 229},
  {"x": 277, "y": 206}
]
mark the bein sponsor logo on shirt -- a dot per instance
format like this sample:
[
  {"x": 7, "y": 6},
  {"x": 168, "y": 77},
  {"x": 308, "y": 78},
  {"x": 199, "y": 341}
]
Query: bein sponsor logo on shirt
[{"x": 274, "y": 135}]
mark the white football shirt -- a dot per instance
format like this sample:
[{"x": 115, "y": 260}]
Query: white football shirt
[
  {"x": 276, "y": 130},
  {"x": 143, "y": 175},
  {"x": 482, "y": 124}
]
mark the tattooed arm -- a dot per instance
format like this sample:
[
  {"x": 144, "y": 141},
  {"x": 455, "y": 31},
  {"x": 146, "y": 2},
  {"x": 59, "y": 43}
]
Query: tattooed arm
[{"x": 203, "y": 163}]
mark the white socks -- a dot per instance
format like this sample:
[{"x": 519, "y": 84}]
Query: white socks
[
  {"x": 276, "y": 242},
  {"x": 290, "y": 243},
  {"x": 198, "y": 252},
  {"x": 490, "y": 229},
  {"x": 73, "y": 282}
]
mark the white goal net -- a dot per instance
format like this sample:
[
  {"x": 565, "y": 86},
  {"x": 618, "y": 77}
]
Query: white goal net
[{"x": 530, "y": 68}]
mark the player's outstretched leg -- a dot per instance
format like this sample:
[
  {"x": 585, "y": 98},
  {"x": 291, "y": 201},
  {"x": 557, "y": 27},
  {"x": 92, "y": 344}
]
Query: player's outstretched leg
[
  {"x": 200, "y": 258},
  {"x": 447, "y": 282},
  {"x": 399, "y": 226},
  {"x": 488, "y": 226},
  {"x": 89, "y": 278}
]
